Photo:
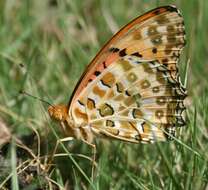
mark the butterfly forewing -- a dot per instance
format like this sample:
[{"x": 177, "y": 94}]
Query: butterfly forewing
[
  {"x": 131, "y": 90},
  {"x": 158, "y": 34}
]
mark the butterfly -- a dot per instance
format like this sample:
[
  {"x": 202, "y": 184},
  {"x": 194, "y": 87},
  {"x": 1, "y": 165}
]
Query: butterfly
[{"x": 131, "y": 90}]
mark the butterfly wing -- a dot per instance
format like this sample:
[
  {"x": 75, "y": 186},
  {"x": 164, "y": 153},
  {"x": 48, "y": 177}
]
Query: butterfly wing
[{"x": 130, "y": 91}]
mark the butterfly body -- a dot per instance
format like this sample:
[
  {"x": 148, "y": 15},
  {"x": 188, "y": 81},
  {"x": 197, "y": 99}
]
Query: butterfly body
[
  {"x": 131, "y": 91},
  {"x": 69, "y": 127}
]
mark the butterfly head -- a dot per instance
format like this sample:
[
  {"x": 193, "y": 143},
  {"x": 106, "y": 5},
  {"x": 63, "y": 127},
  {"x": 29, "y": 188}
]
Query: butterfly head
[{"x": 58, "y": 112}]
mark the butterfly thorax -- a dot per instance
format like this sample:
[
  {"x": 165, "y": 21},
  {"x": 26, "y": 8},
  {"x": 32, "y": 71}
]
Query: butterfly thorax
[{"x": 69, "y": 127}]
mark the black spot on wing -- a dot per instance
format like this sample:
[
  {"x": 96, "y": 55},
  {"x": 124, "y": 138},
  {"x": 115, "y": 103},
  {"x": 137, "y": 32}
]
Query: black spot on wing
[
  {"x": 127, "y": 93},
  {"x": 104, "y": 65},
  {"x": 154, "y": 50},
  {"x": 137, "y": 54},
  {"x": 113, "y": 49},
  {"x": 122, "y": 53},
  {"x": 104, "y": 84},
  {"x": 118, "y": 88},
  {"x": 142, "y": 125},
  {"x": 97, "y": 73},
  {"x": 80, "y": 103}
]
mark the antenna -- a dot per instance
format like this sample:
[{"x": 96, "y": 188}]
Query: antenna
[{"x": 35, "y": 97}]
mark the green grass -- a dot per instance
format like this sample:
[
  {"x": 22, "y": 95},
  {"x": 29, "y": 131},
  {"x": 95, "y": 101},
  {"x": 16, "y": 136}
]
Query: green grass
[{"x": 55, "y": 43}]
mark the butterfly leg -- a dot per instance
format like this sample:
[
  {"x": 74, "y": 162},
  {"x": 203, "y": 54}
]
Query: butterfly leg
[{"x": 56, "y": 147}]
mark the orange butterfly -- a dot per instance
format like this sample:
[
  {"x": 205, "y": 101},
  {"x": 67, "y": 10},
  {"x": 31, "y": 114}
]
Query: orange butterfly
[{"x": 131, "y": 90}]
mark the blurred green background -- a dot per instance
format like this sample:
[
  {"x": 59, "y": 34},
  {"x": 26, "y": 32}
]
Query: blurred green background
[{"x": 44, "y": 48}]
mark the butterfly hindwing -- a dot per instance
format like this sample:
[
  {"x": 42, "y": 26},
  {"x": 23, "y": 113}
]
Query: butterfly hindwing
[{"x": 133, "y": 99}]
